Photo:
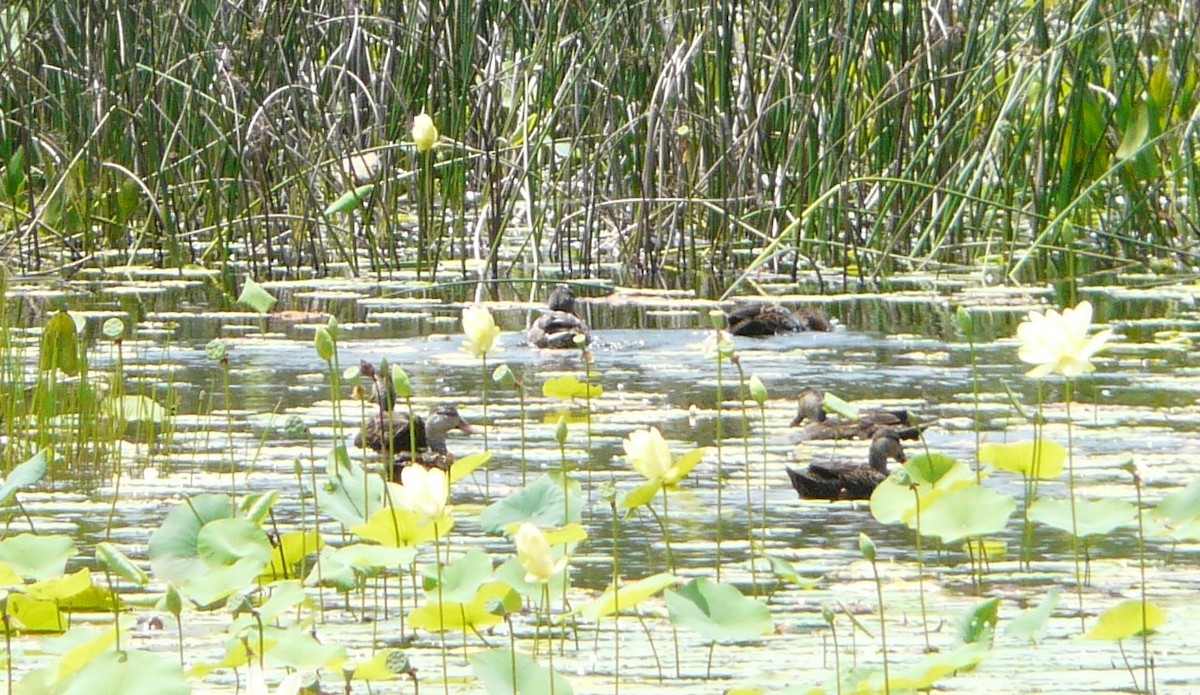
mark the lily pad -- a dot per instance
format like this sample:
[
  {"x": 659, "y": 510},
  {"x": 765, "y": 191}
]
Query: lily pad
[
  {"x": 540, "y": 503},
  {"x": 628, "y": 596},
  {"x": 965, "y": 512},
  {"x": 495, "y": 669},
  {"x": 570, "y": 387},
  {"x": 1092, "y": 517},
  {"x": 1127, "y": 619},
  {"x": 23, "y": 476},
  {"x": 1041, "y": 459},
  {"x": 37, "y": 557},
  {"x": 1030, "y": 624},
  {"x": 255, "y": 297},
  {"x": 718, "y": 612}
]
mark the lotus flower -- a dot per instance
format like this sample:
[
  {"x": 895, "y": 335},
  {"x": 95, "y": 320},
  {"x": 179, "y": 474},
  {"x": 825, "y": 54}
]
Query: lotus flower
[
  {"x": 481, "y": 330},
  {"x": 533, "y": 551},
  {"x": 424, "y": 491},
  {"x": 648, "y": 452},
  {"x": 1059, "y": 343}
]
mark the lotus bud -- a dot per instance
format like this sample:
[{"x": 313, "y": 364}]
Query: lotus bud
[
  {"x": 504, "y": 376},
  {"x": 323, "y": 341},
  {"x": 424, "y": 133},
  {"x": 560, "y": 431},
  {"x": 866, "y": 546},
  {"x": 718, "y": 318},
  {"x": 758, "y": 390}
]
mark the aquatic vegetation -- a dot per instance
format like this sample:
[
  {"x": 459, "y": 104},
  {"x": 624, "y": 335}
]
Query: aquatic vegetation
[{"x": 322, "y": 565}]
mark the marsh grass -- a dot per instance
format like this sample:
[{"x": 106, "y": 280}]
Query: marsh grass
[{"x": 1055, "y": 140}]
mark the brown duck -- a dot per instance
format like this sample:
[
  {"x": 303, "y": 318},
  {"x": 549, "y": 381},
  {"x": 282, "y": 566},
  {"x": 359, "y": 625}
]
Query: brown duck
[
  {"x": 811, "y": 407},
  {"x": 839, "y": 482},
  {"x": 396, "y": 432},
  {"x": 762, "y": 319},
  {"x": 557, "y": 327}
]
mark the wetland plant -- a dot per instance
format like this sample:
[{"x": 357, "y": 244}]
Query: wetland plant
[
  {"x": 504, "y": 376},
  {"x": 481, "y": 332},
  {"x": 1059, "y": 344},
  {"x": 719, "y": 346}
]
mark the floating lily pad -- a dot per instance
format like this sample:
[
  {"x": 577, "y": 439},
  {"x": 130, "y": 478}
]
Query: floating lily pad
[{"x": 461, "y": 578}]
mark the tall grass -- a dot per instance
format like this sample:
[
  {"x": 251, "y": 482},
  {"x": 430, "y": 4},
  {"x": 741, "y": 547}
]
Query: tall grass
[{"x": 1056, "y": 137}]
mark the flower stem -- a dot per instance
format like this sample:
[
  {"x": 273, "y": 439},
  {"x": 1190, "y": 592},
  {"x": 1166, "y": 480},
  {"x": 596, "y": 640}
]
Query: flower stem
[
  {"x": 720, "y": 463},
  {"x": 437, "y": 557},
  {"x": 487, "y": 486},
  {"x": 1067, "y": 395}
]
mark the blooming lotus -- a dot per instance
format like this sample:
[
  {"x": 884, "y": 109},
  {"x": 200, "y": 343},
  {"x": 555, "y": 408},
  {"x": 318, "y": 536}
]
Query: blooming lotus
[
  {"x": 718, "y": 344},
  {"x": 1059, "y": 343},
  {"x": 649, "y": 454},
  {"x": 533, "y": 551},
  {"x": 481, "y": 330},
  {"x": 424, "y": 492},
  {"x": 424, "y": 132}
]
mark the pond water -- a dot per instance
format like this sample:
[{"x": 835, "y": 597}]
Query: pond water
[{"x": 897, "y": 350}]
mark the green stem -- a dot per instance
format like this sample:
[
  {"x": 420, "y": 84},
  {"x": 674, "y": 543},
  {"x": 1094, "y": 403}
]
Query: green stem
[
  {"x": 616, "y": 582},
  {"x": 749, "y": 495},
  {"x": 921, "y": 569},
  {"x": 437, "y": 558},
  {"x": 487, "y": 484},
  {"x": 1137, "y": 485},
  {"x": 1067, "y": 395},
  {"x": 550, "y": 650},
  {"x": 720, "y": 463},
  {"x": 887, "y": 679}
]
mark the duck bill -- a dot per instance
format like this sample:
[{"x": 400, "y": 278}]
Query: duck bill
[{"x": 465, "y": 427}]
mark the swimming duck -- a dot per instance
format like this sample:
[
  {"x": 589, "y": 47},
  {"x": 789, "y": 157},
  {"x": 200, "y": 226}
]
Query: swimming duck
[
  {"x": 825, "y": 482},
  {"x": 811, "y": 407},
  {"x": 763, "y": 319},
  {"x": 557, "y": 327},
  {"x": 395, "y": 429}
]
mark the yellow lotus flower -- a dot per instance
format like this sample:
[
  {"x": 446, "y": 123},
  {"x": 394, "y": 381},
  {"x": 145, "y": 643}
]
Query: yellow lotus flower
[
  {"x": 648, "y": 452},
  {"x": 424, "y": 492},
  {"x": 1059, "y": 343},
  {"x": 481, "y": 330},
  {"x": 424, "y": 132},
  {"x": 533, "y": 551}
]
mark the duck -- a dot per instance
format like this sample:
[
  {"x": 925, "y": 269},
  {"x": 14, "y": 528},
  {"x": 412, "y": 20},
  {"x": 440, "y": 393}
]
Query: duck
[
  {"x": 557, "y": 327},
  {"x": 811, "y": 407},
  {"x": 394, "y": 431},
  {"x": 840, "y": 482},
  {"x": 762, "y": 319}
]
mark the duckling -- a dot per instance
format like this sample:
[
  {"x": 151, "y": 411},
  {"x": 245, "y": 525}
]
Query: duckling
[
  {"x": 395, "y": 432},
  {"x": 825, "y": 482},
  {"x": 811, "y": 407},
  {"x": 557, "y": 327},
  {"x": 762, "y": 319}
]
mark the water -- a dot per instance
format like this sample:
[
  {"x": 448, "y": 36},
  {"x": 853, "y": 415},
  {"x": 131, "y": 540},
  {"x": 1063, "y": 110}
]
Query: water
[{"x": 898, "y": 351}]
